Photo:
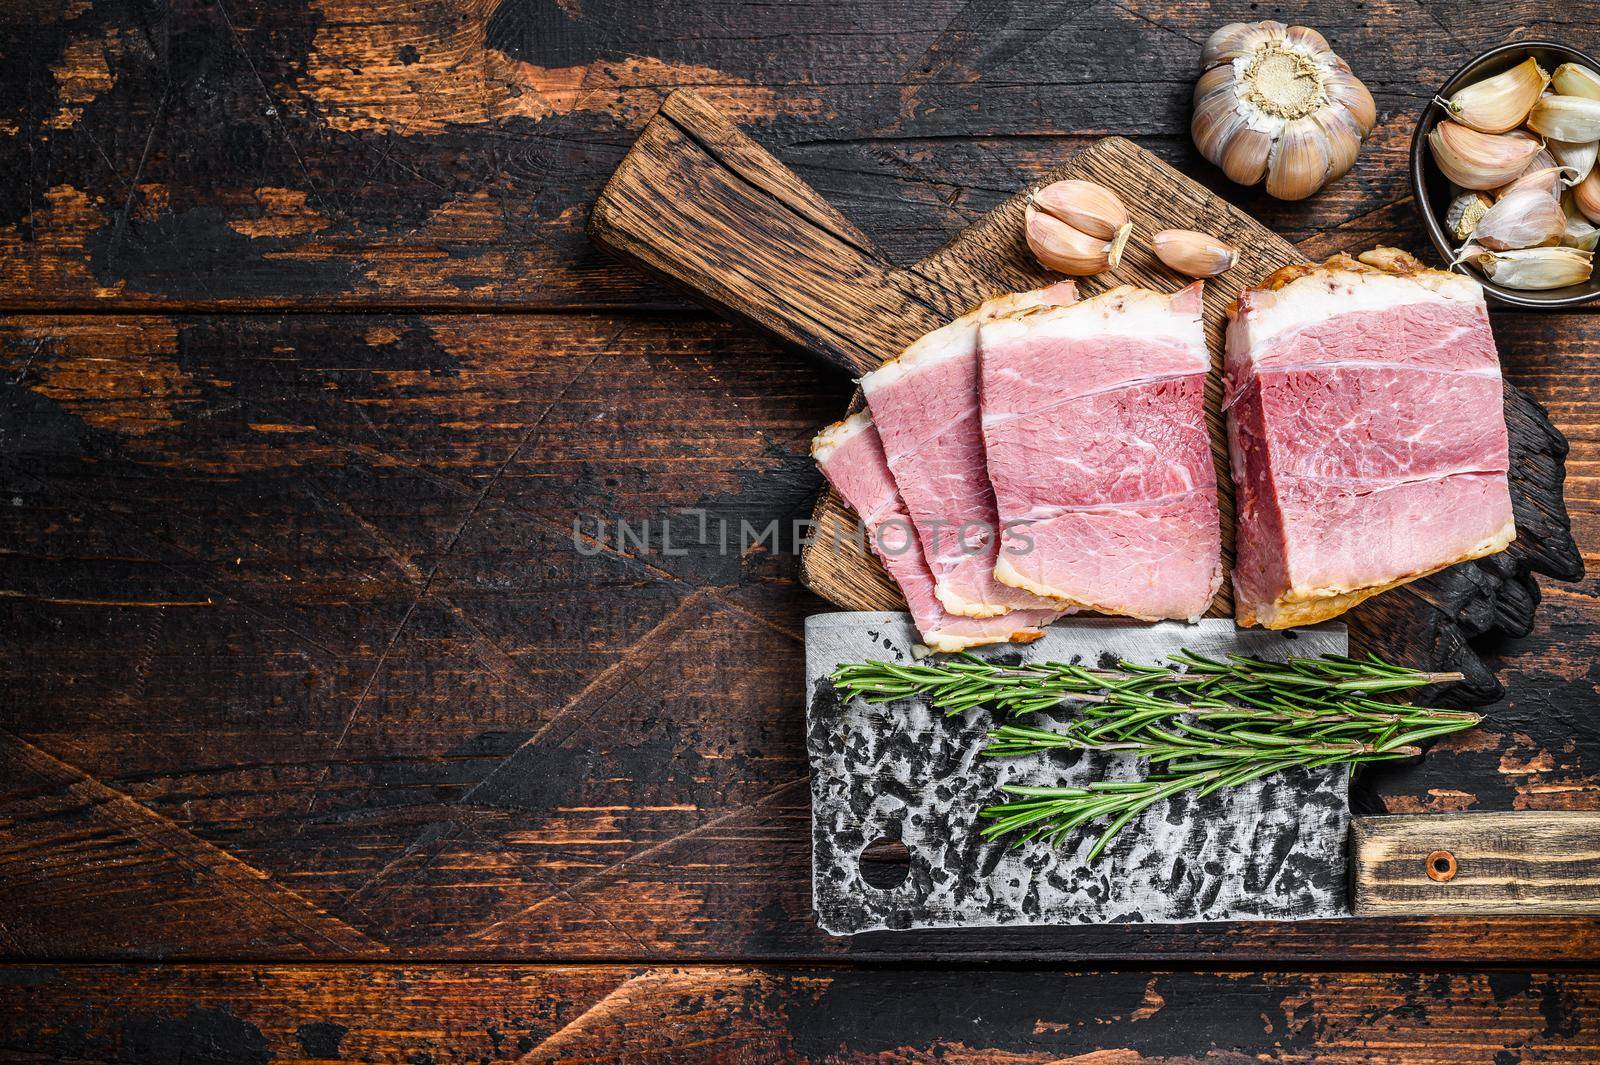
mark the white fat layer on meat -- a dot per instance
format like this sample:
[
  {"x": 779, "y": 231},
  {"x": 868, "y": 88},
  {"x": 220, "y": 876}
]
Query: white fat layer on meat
[
  {"x": 1328, "y": 293},
  {"x": 959, "y": 339},
  {"x": 825, "y": 443},
  {"x": 1125, "y": 311}
]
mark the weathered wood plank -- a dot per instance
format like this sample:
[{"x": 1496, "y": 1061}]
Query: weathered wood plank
[
  {"x": 791, "y": 1014},
  {"x": 305, "y": 590},
  {"x": 336, "y": 152},
  {"x": 1547, "y": 862}
]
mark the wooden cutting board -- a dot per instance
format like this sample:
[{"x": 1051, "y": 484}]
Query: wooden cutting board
[{"x": 706, "y": 209}]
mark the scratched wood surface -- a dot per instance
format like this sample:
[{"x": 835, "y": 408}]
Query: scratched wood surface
[
  {"x": 301, "y": 663},
  {"x": 793, "y": 1014}
]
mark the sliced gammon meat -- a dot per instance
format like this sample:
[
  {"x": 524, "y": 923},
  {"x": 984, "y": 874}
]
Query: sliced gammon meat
[
  {"x": 1367, "y": 434},
  {"x": 1095, "y": 434},
  {"x": 925, "y": 405},
  {"x": 851, "y": 456}
]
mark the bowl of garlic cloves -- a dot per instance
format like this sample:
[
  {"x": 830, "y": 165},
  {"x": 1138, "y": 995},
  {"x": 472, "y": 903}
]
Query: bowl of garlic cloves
[{"x": 1503, "y": 171}]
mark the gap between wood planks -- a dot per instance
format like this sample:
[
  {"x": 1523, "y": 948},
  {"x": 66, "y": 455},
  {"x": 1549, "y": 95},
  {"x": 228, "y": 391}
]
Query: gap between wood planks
[
  {"x": 931, "y": 961},
  {"x": 909, "y": 963}
]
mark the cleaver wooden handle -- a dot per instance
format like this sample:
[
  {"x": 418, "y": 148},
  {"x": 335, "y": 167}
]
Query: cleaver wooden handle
[
  {"x": 704, "y": 208},
  {"x": 1447, "y": 864}
]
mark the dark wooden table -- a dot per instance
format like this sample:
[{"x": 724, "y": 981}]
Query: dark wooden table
[{"x": 318, "y": 736}]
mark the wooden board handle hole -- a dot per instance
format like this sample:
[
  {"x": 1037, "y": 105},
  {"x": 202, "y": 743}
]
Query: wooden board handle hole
[{"x": 1440, "y": 866}]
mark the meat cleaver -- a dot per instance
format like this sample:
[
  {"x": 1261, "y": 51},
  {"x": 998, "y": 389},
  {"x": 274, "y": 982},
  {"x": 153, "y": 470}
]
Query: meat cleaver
[{"x": 1282, "y": 848}]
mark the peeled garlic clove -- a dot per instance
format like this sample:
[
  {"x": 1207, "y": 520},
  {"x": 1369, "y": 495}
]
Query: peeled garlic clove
[
  {"x": 1525, "y": 218},
  {"x": 1575, "y": 79},
  {"x": 1070, "y": 251},
  {"x": 1538, "y": 269},
  {"x": 1500, "y": 103},
  {"x": 1579, "y": 233},
  {"x": 1579, "y": 158},
  {"x": 1465, "y": 212},
  {"x": 1298, "y": 165},
  {"x": 1586, "y": 196},
  {"x": 1085, "y": 206},
  {"x": 1193, "y": 253},
  {"x": 1476, "y": 160},
  {"x": 1566, "y": 118}
]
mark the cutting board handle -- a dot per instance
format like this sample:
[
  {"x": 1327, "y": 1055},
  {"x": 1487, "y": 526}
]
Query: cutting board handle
[
  {"x": 704, "y": 208},
  {"x": 1492, "y": 863}
]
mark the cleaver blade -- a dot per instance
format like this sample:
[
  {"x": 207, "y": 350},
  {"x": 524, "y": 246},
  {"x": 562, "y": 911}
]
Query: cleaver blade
[{"x": 1273, "y": 849}]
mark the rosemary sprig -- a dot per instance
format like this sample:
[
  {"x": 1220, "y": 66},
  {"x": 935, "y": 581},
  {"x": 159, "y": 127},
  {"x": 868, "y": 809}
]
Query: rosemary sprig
[
  {"x": 1207, "y": 723},
  {"x": 963, "y": 682}
]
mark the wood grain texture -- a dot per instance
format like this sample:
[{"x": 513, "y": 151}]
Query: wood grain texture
[
  {"x": 304, "y": 589},
  {"x": 781, "y": 1015},
  {"x": 299, "y": 658},
  {"x": 322, "y": 153},
  {"x": 703, "y": 206},
  {"x": 1547, "y": 862}
]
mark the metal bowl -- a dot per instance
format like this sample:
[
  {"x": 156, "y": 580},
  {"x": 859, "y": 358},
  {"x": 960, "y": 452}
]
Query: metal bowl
[{"x": 1432, "y": 189}]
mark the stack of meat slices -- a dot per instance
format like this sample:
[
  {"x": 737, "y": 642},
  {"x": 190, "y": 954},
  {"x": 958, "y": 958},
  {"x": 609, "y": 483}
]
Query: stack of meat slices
[
  {"x": 1367, "y": 434},
  {"x": 1089, "y": 420},
  {"x": 851, "y": 456},
  {"x": 1042, "y": 455},
  {"x": 925, "y": 404}
]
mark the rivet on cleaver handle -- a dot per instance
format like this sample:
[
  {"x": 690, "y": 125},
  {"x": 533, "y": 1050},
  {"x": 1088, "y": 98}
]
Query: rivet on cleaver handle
[{"x": 1490, "y": 863}]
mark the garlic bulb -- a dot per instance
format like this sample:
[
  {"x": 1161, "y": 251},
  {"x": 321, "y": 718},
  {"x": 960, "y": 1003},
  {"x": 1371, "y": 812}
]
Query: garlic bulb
[
  {"x": 1575, "y": 79},
  {"x": 1566, "y": 118},
  {"x": 1192, "y": 253},
  {"x": 1464, "y": 213},
  {"x": 1500, "y": 103},
  {"x": 1476, "y": 160},
  {"x": 1536, "y": 269},
  {"x": 1076, "y": 228},
  {"x": 1586, "y": 195},
  {"x": 1527, "y": 217},
  {"x": 1275, "y": 102}
]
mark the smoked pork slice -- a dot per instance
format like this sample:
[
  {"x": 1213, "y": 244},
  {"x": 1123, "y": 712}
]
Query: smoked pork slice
[
  {"x": 851, "y": 456},
  {"x": 1095, "y": 434},
  {"x": 1366, "y": 431},
  {"x": 925, "y": 406}
]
